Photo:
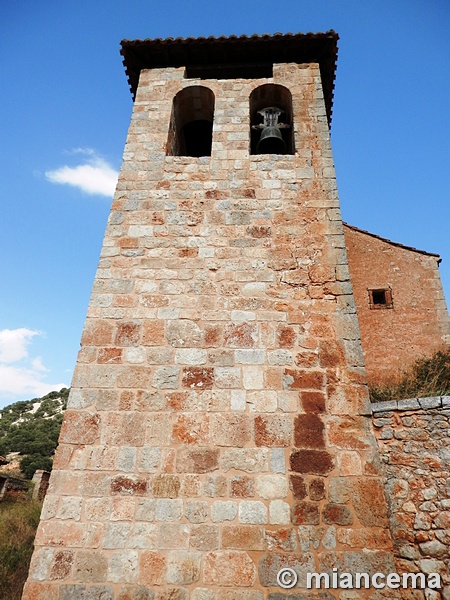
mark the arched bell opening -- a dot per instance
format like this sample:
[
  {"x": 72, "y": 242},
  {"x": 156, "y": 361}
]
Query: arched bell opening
[
  {"x": 271, "y": 120},
  {"x": 191, "y": 123}
]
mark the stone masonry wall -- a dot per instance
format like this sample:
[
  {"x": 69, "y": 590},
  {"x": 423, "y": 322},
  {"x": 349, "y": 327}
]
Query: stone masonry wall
[
  {"x": 417, "y": 325},
  {"x": 414, "y": 442},
  {"x": 218, "y": 425}
]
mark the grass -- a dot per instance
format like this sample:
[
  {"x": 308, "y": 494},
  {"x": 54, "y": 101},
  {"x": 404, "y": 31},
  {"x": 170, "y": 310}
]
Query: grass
[
  {"x": 18, "y": 524},
  {"x": 426, "y": 377}
]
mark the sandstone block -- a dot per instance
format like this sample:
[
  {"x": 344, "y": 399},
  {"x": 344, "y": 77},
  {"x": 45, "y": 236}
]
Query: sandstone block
[
  {"x": 227, "y": 377},
  {"x": 338, "y": 514},
  {"x": 241, "y": 335},
  {"x": 245, "y": 459},
  {"x": 270, "y": 565},
  {"x": 223, "y": 510},
  {"x": 90, "y": 567},
  {"x": 229, "y": 568},
  {"x": 309, "y": 431},
  {"x": 166, "y": 486},
  {"x": 277, "y": 460},
  {"x": 253, "y": 511},
  {"x": 190, "y": 356},
  {"x": 191, "y": 429},
  {"x": 242, "y": 487},
  {"x": 230, "y": 430},
  {"x": 262, "y": 401},
  {"x": 80, "y": 428},
  {"x": 215, "y": 486},
  {"x": 152, "y": 568},
  {"x": 128, "y": 334},
  {"x": 173, "y": 536},
  {"x": 252, "y": 378},
  {"x": 115, "y": 535},
  {"x": 250, "y": 356},
  {"x": 183, "y": 567},
  {"x": 143, "y": 536},
  {"x": 242, "y": 537},
  {"x": 369, "y": 502},
  {"x": 129, "y": 484},
  {"x": 317, "y": 489},
  {"x": 169, "y": 510},
  {"x": 198, "y": 377},
  {"x": 238, "y": 400},
  {"x": 196, "y": 511},
  {"x": 315, "y": 462},
  {"x": 305, "y": 513},
  {"x": 279, "y": 513},
  {"x": 271, "y": 487},
  {"x": 205, "y": 537},
  {"x": 184, "y": 333},
  {"x": 273, "y": 430},
  {"x": 198, "y": 460},
  {"x": 166, "y": 377}
]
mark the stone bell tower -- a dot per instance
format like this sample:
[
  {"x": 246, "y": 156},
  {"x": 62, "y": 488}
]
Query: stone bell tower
[{"x": 217, "y": 428}]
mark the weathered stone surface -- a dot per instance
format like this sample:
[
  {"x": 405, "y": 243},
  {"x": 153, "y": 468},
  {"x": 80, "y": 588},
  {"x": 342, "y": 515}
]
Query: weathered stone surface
[
  {"x": 317, "y": 489},
  {"x": 271, "y": 487},
  {"x": 316, "y": 462},
  {"x": 252, "y": 512},
  {"x": 217, "y": 403},
  {"x": 201, "y": 460},
  {"x": 87, "y": 568},
  {"x": 369, "y": 501},
  {"x": 230, "y": 430},
  {"x": 305, "y": 513},
  {"x": 338, "y": 514},
  {"x": 223, "y": 510},
  {"x": 166, "y": 486},
  {"x": 242, "y": 537},
  {"x": 270, "y": 565},
  {"x": 183, "y": 567},
  {"x": 309, "y": 431},
  {"x": 80, "y": 428},
  {"x": 242, "y": 486},
  {"x": 205, "y": 537},
  {"x": 229, "y": 568},
  {"x": 273, "y": 430}
]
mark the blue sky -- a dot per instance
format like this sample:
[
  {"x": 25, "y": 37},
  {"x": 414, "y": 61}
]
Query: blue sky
[{"x": 64, "y": 113}]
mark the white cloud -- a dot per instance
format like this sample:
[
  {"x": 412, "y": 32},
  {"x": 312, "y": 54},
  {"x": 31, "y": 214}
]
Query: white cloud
[
  {"x": 95, "y": 176},
  {"x": 38, "y": 365},
  {"x": 19, "y": 381},
  {"x": 26, "y": 376},
  {"x": 88, "y": 151},
  {"x": 14, "y": 342}
]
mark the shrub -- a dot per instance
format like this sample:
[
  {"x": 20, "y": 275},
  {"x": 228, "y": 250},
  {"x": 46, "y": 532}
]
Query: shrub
[
  {"x": 18, "y": 524},
  {"x": 426, "y": 377}
]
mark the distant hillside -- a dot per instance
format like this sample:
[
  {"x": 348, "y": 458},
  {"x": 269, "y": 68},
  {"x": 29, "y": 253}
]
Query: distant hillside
[{"x": 31, "y": 428}]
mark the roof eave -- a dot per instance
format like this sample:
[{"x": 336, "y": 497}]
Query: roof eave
[{"x": 302, "y": 48}]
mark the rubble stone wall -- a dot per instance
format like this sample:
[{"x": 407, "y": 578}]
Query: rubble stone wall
[{"x": 414, "y": 442}]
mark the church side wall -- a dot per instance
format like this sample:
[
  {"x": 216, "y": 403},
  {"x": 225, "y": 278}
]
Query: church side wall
[{"x": 418, "y": 323}]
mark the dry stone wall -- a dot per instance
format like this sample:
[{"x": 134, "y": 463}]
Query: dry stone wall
[
  {"x": 414, "y": 441},
  {"x": 218, "y": 425}
]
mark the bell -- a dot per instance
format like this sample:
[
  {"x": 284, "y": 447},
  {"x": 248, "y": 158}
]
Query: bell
[{"x": 271, "y": 141}]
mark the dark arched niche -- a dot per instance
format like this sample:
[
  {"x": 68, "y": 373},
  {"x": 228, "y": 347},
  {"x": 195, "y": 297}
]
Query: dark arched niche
[
  {"x": 191, "y": 123},
  {"x": 273, "y": 96}
]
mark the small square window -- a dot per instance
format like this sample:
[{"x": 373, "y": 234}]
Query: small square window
[{"x": 380, "y": 298}]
